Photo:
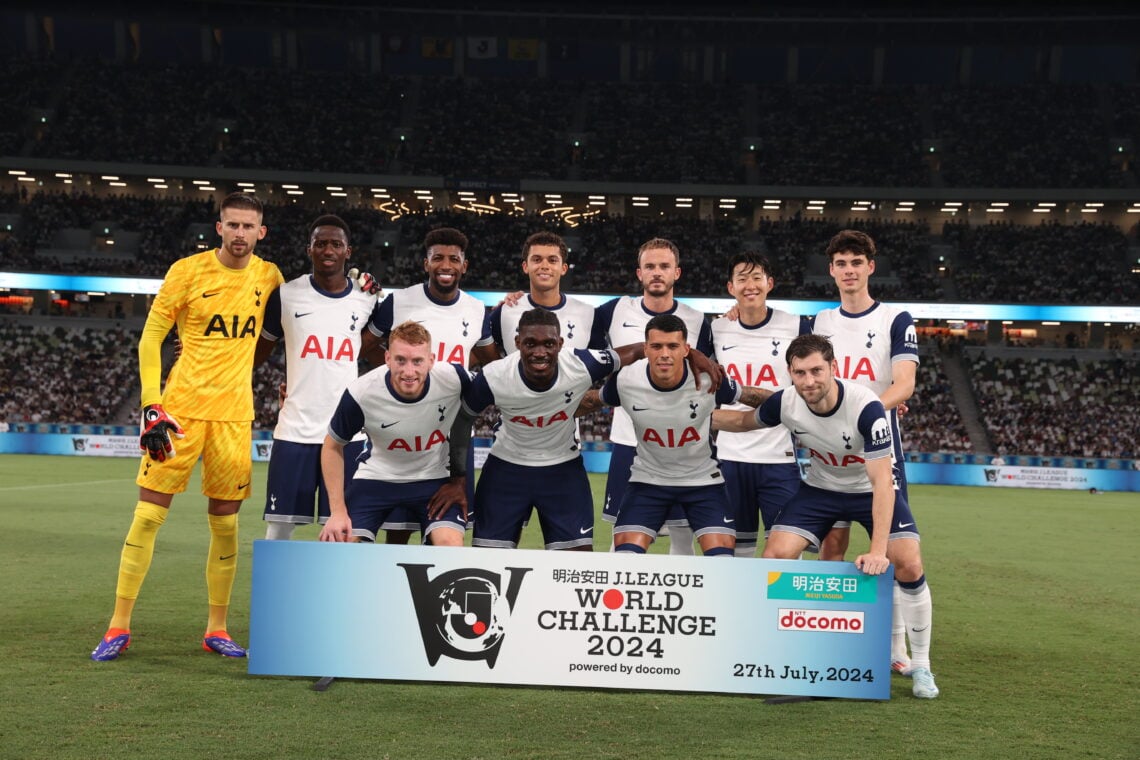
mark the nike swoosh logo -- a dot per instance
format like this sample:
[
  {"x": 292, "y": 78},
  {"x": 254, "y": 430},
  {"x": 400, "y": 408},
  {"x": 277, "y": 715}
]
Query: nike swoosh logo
[
  {"x": 243, "y": 485},
  {"x": 584, "y": 531},
  {"x": 905, "y": 525},
  {"x": 388, "y": 424},
  {"x": 627, "y": 324},
  {"x": 228, "y": 556},
  {"x": 727, "y": 521},
  {"x": 299, "y": 314},
  {"x": 727, "y": 348},
  {"x": 640, "y": 408},
  {"x": 211, "y": 295},
  {"x": 920, "y": 630}
]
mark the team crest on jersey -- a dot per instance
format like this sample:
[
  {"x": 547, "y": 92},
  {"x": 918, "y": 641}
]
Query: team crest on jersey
[{"x": 463, "y": 613}]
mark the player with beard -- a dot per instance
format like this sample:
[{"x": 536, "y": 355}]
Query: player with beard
[
  {"x": 407, "y": 408},
  {"x": 844, "y": 427},
  {"x": 216, "y": 300},
  {"x": 457, "y": 321},
  {"x": 622, "y": 322}
]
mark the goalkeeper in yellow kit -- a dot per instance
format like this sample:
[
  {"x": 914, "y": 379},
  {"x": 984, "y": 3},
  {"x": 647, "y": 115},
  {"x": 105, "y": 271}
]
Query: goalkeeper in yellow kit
[{"x": 216, "y": 300}]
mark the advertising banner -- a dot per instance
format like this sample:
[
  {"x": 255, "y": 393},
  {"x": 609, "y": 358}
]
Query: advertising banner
[{"x": 500, "y": 616}]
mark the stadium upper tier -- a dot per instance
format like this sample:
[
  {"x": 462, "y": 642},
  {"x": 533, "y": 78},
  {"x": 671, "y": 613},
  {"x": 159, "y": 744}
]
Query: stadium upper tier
[{"x": 488, "y": 129}]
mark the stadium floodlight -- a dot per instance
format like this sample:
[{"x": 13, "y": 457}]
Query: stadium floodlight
[
  {"x": 1000, "y": 204},
  {"x": 29, "y": 179},
  {"x": 245, "y": 184},
  {"x": 63, "y": 175},
  {"x": 291, "y": 187},
  {"x": 207, "y": 188},
  {"x": 1094, "y": 205},
  {"x": 993, "y": 210},
  {"x": 1050, "y": 324},
  {"x": 294, "y": 192},
  {"x": 109, "y": 177},
  {"x": 117, "y": 184},
  {"x": 162, "y": 187},
  {"x": 1047, "y": 210},
  {"x": 952, "y": 203},
  {"x": 199, "y": 181},
  {"x": 905, "y": 203},
  {"x": 333, "y": 187},
  {"x": 339, "y": 195},
  {"x": 379, "y": 190},
  {"x": 16, "y": 172}
]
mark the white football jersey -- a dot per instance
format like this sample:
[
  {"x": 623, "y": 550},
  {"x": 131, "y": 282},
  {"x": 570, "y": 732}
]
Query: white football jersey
[
  {"x": 672, "y": 426},
  {"x": 839, "y": 443},
  {"x": 322, "y": 333},
  {"x": 456, "y": 326},
  {"x": 754, "y": 355},
  {"x": 575, "y": 317},
  {"x": 621, "y": 322},
  {"x": 537, "y": 427},
  {"x": 867, "y": 344},
  {"x": 408, "y": 438}
]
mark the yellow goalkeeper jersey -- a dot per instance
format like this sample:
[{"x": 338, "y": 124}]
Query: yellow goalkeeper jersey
[{"x": 219, "y": 313}]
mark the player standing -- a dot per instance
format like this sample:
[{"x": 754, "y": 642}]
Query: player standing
[
  {"x": 457, "y": 322},
  {"x": 544, "y": 262},
  {"x": 407, "y": 408},
  {"x": 875, "y": 345},
  {"x": 216, "y": 299},
  {"x": 621, "y": 322},
  {"x": 844, "y": 427},
  {"x": 321, "y": 317},
  {"x": 759, "y": 467}
]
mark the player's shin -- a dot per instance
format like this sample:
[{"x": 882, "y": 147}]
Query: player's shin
[
  {"x": 221, "y": 567},
  {"x": 134, "y": 562},
  {"x": 917, "y": 613}
]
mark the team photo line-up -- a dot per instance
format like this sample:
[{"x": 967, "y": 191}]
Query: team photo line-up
[{"x": 696, "y": 455}]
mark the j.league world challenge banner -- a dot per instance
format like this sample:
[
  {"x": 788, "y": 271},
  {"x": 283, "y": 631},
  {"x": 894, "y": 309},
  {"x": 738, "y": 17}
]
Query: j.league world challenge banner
[{"x": 569, "y": 618}]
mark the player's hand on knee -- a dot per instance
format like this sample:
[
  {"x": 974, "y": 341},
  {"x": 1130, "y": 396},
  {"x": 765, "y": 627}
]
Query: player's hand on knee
[
  {"x": 155, "y": 433},
  {"x": 451, "y": 493},
  {"x": 337, "y": 530},
  {"x": 872, "y": 564},
  {"x": 366, "y": 281}
]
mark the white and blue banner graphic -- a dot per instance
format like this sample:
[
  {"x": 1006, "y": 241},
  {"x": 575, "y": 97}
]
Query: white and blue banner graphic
[{"x": 500, "y": 616}]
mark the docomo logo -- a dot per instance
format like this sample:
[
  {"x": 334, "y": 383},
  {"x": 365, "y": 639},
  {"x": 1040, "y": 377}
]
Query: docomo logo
[{"x": 829, "y": 621}]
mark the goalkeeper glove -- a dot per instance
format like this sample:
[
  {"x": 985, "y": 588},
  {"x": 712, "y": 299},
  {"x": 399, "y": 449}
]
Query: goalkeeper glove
[
  {"x": 156, "y": 428},
  {"x": 366, "y": 281}
]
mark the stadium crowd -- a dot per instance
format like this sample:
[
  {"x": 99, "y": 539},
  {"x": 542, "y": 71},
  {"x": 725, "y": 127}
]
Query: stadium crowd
[
  {"x": 65, "y": 374},
  {"x": 1048, "y": 406},
  {"x": 633, "y": 132}
]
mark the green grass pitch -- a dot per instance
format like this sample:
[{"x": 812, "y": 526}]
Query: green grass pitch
[{"x": 1036, "y": 599}]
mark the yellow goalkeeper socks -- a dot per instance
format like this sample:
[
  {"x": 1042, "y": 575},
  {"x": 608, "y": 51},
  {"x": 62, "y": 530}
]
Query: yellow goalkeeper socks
[
  {"x": 221, "y": 567},
  {"x": 138, "y": 549}
]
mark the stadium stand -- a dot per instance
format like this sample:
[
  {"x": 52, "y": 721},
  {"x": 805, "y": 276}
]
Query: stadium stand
[
  {"x": 65, "y": 374},
  {"x": 1045, "y": 405}
]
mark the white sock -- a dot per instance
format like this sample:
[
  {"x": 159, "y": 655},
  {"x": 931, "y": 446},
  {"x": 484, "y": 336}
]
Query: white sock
[
  {"x": 681, "y": 540},
  {"x": 917, "y": 612},
  {"x": 898, "y": 628},
  {"x": 279, "y": 531}
]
